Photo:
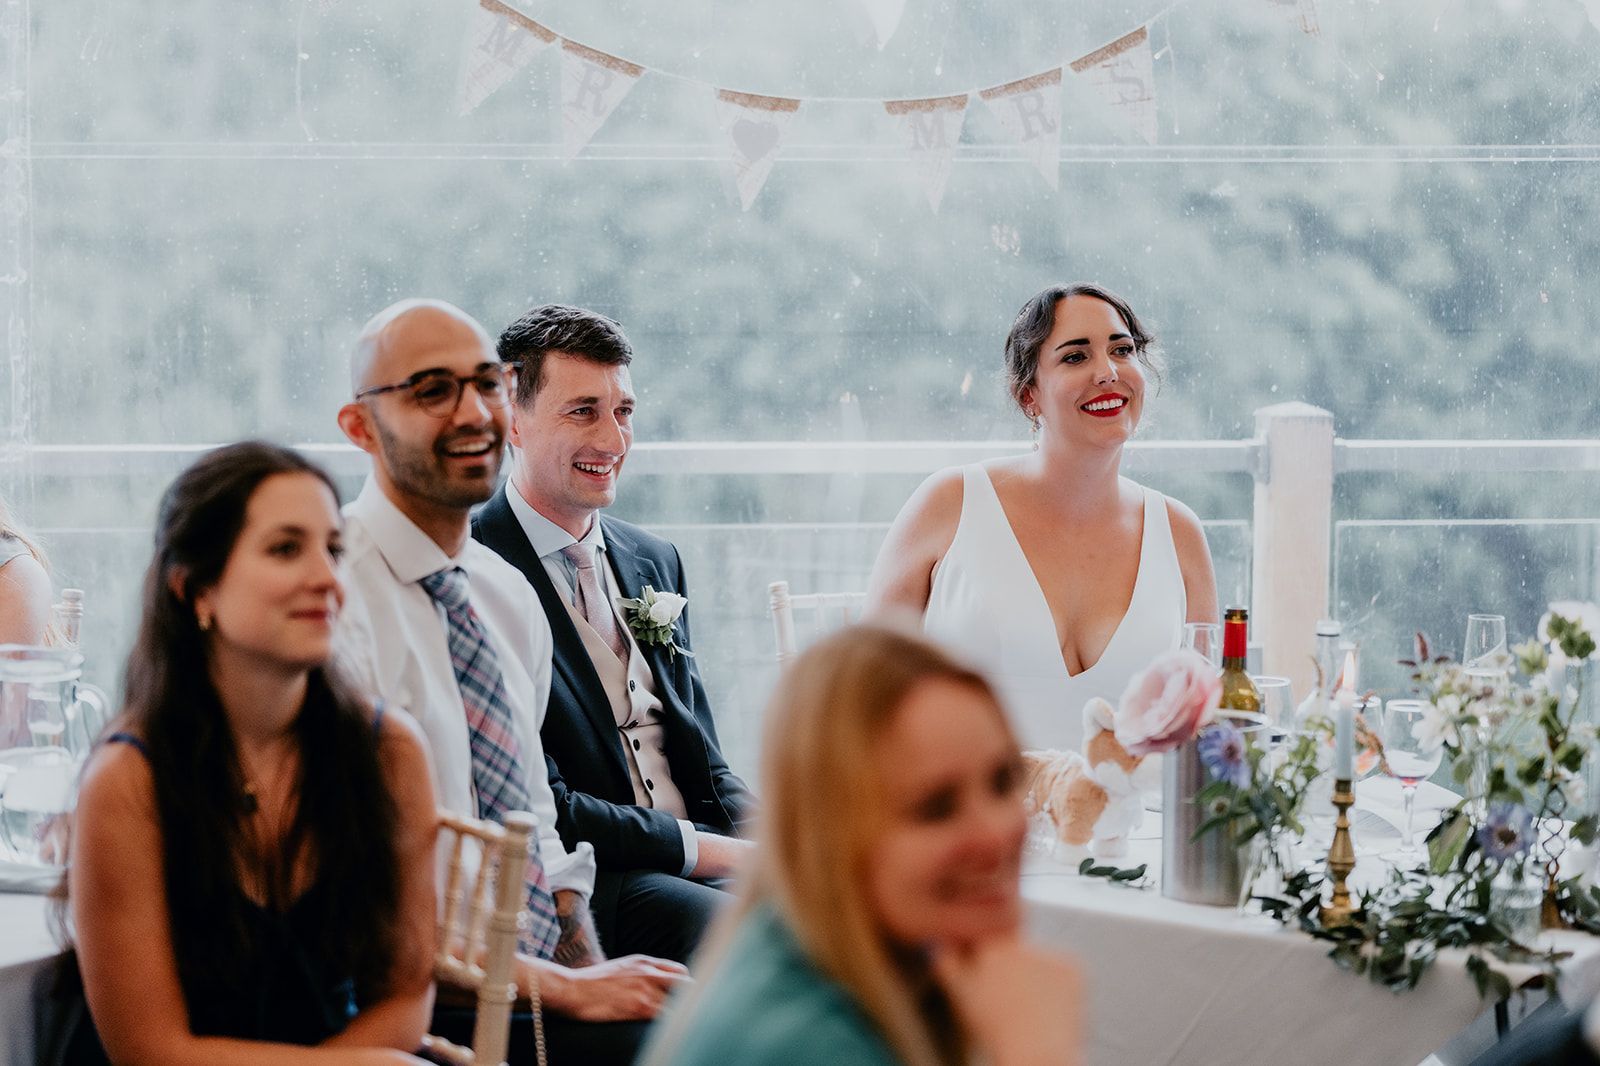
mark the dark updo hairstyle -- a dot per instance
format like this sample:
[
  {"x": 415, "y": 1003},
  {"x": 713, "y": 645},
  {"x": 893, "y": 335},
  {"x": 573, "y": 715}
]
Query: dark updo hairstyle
[
  {"x": 1038, "y": 317},
  {"x": 345, "y": 820}
]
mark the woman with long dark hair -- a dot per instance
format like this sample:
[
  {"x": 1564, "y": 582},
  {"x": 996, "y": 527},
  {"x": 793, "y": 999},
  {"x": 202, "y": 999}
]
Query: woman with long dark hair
[{"x": 252, "y": 854}]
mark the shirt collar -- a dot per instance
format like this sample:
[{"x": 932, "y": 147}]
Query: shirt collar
[
  {"x": 411, "y": 554},
  {"x": 546, "y": 537}
]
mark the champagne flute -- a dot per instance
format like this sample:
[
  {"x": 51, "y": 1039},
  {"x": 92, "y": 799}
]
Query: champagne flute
[
  {"x": 1277, "y": 703},
  {"x": 1204, "y": 638},
  {"x": 1405, "y": 759},
  {"x": 1486, "y": 641},
  {"x": 1484, "y": 659}
]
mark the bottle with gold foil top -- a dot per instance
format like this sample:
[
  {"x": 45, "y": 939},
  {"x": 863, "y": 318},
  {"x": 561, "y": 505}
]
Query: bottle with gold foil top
[{"x": 1239, "y": 693}]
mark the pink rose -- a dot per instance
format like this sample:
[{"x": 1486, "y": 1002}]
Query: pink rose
[{"x": 1164, "y": 706}]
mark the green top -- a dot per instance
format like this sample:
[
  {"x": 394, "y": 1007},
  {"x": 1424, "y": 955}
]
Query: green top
[{"x": 769, "y": 1005}]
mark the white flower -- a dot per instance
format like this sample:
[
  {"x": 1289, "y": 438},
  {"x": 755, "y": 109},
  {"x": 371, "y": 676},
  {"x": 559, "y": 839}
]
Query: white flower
[
  {"x": 1585, "y": 614},
  {"x": 1554, "y": 678},
  {"x": 650, "y": 618},
  {"x": 1437, "y": 727},
  {"x": 1575, "y": 791},
  {"x": 666, "y": 607}
]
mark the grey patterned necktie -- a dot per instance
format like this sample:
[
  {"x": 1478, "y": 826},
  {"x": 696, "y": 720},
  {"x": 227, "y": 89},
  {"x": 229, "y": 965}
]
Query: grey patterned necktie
[{"x": 591, "y": 599}]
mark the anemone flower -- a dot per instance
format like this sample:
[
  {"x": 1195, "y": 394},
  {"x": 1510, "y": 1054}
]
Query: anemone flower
[
  {"x": 1221, "y": 747},
  {"x": 1507, "y": 833}
]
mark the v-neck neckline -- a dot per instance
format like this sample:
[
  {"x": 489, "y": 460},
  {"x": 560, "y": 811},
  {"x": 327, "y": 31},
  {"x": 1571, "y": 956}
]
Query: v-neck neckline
[{"x": 1038, "y": 588}]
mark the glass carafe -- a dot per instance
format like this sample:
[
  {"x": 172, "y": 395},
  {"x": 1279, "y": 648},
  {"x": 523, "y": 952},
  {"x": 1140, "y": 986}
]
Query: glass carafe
[{"x": 48, "y": 719}]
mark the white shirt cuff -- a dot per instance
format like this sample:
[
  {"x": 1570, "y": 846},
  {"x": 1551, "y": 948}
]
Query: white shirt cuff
[
  {"x": 691, "y": 847},
  {"x": 568, "y": 871}
]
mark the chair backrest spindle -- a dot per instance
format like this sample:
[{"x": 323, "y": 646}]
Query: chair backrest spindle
[
  {"x": 477, "y": 947},
  {"x": 830, "y": 610}
]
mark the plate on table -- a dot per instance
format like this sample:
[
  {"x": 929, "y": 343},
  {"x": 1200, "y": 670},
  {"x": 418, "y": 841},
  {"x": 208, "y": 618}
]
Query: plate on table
[{"x": 1372, "y": 832}]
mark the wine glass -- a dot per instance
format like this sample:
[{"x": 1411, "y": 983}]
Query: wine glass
[
  {"x": 1204, "y": 638},
  {"x": 1486, "y": 667},
  {"x": 1406, "y": 760},
  {"x": 1486, "y": 641},
  {"x": 1277, "y": 704}
]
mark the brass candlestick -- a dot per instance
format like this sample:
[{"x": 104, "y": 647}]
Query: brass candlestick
[{"x": 1341, "y": 857}]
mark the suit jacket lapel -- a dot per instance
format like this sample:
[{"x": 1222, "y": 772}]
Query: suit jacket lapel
[
  {"x": 504, "y": 533},
  {"x": 634, "y": 571}
]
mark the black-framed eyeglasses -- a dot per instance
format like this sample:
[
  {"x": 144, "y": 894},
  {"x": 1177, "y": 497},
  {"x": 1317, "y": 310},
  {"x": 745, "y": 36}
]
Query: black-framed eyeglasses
[{"x": 438, "y": 392}]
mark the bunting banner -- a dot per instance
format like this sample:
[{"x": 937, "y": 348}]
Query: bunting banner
[
  {"x": 1030, "y": 111},
  {"x": 754, "y": 126},
  {"x": 885, "y": 17},
  {"x": 500, "y": 42},
  {"x": 931, "y": 129},
  {"x": 592, "y": 85},
  {"x": 1302, "y": 12},
  {"x": 1123, "y": 75}
]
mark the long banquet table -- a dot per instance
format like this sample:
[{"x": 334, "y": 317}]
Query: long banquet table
[
  {"x": 1181, "y": 984},
  {"x": 1169, "y": 983}
]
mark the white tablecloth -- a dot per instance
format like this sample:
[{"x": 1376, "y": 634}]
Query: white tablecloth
[
  {"x": 1170, "y": 984},
  {"x": 1190, "y": 985}
]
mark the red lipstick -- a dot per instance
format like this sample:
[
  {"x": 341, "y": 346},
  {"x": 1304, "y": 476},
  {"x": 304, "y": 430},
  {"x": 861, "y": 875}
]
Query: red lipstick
[{"x": 1109, "y": 412}]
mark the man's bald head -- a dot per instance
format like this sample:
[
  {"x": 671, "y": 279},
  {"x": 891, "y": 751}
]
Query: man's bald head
[
  {"x": 435, "y": 461},
  {"x": 396, "y": 342}
]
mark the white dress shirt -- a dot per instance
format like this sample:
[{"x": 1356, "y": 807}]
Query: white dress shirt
[
  {"x": 392, "y": 641},
  {"x": 549, "y": 541}
]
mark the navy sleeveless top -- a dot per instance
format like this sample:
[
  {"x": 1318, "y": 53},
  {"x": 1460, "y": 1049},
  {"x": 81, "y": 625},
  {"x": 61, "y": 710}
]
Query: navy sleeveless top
[{"x": 294, "y": 998}]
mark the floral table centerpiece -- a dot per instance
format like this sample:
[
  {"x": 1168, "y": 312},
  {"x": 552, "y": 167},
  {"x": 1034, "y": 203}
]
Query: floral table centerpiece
[
  {"x": 1514, "y": 729},
  {"x": 1171, "y": 708}
]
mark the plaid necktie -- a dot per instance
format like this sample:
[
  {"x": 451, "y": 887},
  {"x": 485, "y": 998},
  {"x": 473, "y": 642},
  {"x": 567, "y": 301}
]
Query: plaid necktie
[{"x": 496, "y": 765}]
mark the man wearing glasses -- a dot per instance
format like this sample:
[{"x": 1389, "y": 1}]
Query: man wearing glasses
[{"x": 438, "y": 624}]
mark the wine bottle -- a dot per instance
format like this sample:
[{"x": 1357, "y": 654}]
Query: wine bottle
[
  {"x": 1318, "y": 701},
  {"x": 69, "y": 615},
  {"x": 1239, "y": 693},
  {"x": 1330, "y": 662}
]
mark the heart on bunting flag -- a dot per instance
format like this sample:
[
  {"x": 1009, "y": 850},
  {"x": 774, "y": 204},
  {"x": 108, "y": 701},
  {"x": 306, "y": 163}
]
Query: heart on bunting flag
[{"x": 754, "y": 126}]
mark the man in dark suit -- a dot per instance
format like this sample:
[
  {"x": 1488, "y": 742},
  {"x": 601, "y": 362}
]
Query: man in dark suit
[{"x": 629, "y": 739}]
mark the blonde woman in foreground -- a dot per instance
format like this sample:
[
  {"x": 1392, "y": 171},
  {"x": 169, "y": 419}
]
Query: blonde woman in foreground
[{"x": 882, "y": 923}]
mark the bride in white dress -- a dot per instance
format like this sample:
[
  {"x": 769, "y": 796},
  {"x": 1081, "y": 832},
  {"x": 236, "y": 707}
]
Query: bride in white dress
[{"x": 1050, "y": 570}]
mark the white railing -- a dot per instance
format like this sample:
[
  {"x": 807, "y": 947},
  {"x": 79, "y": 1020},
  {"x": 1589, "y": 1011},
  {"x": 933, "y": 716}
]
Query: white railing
[
  {"x": 707, "y": 457},
  {"x": 1293, "y": 462}
]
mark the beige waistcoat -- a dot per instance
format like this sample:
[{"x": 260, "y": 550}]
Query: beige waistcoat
[{"x": 631, "y": 689}]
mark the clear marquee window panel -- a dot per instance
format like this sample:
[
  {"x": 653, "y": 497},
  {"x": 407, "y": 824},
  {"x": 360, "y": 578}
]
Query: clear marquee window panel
[{"x": 1388, "y": 219}]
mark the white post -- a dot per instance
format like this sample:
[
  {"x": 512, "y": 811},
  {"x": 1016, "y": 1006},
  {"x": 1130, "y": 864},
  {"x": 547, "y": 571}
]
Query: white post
[
  {"x": 1293, "y": 521},
  {"x": 16, "y": 257}
]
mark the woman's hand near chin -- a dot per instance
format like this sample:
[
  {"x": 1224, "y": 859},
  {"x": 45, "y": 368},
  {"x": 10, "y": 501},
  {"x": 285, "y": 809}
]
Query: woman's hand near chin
[{"x": 1023, "y": 1006}]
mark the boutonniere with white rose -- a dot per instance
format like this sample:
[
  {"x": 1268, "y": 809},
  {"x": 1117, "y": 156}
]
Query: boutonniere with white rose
[{"x": 651, "y": 617}]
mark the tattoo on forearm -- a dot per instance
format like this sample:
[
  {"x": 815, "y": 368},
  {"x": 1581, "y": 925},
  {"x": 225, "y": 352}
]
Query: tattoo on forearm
[{"x": 579, "y": 944}]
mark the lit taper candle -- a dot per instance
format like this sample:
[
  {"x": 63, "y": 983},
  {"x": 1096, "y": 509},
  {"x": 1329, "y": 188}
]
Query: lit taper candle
[{"x": 1344, "y": 727}]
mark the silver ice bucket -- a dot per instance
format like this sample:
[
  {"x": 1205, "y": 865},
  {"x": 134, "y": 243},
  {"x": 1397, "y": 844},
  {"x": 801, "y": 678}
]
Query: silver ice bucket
[{"x": 1210, "y": 869}]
